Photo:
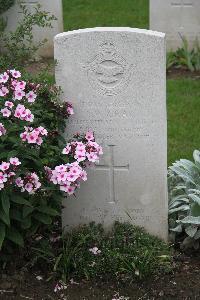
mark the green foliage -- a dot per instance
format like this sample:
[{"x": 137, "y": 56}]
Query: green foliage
[
  {"x": 19, "y": 44},
  {"x": 126, "y": 253},
  {"x": 21, "y": 214},
  {"x": 5, "y": 5},
  {"x": 184, "y": 199},
  {"x": 185, "y": 57}
]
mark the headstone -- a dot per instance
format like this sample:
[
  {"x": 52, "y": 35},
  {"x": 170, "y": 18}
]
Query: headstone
[
  {"x": 175, "y": 18},
  {"x": 115, "y": 78},
  {"x": 54, "y": 7}
]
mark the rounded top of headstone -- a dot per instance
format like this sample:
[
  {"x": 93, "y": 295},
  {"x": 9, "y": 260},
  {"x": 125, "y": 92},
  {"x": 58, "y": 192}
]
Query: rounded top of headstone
[{"x": 110, "y": 29}]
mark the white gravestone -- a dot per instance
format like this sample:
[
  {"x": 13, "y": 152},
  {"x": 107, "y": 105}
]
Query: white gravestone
[
  {"x": 54, "y": 7},
  {"x": 175, "y": 18},
  {"x": 115, "y": 78}
]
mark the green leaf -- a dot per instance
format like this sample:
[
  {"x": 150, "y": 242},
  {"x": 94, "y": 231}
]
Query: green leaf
[
  {"x": 14, "y": 235},
  {"x": 48, "y": 210},
  {"x": 43, "y": 218},
  {"x": 195, "y": 210},
  {"x": 4, "y": 217},
  {"x": 177, "y": 228},
  {"x": 5, "y": 203},
  {"x": 20, "y": 200},
  {"x": 191, "y": 230},
  {"x": 2, "y": 234},
  {"x": 26, "y": 223},
  {"x": 194, "y": 198},
  {"x": 27, "y": 211},
  {"x": 190, "y": 220}
]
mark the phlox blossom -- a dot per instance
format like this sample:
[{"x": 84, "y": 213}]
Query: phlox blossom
[
  {"x": 18, "y": 94},
  {"x": 4, "y": 77},
  {"x": 31, "y": 96},
  {"x": 33, "y": 136},
  {"x": 89, "y": 136},
  {"x": 6, "y": 112},
  {"x": 9, "y": 104},
  {"x": 15, "y": 74},
  {"x": 4, "y": 166},
  {"x": 15, "y": 161},
  {"x": 3, "y": 91},
  {"x": 29, "y": 183},
  {"x": 3, "y": 177}
]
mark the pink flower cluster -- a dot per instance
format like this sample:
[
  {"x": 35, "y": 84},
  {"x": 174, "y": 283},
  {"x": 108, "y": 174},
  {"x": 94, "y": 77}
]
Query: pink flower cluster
[
  {"x": 68, "y": 176},
  {"x": 7, "y": 171},
  {"x": 29, "y": 183},
  {"x": 10, "y": 80},
  {"x": 84, "y": 150},
  {"x": 33, "y": 136},
  {"x": 20, "y": 112}
]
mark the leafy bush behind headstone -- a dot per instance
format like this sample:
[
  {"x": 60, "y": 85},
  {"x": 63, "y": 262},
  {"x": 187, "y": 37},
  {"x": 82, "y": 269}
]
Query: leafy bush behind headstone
[{"x": 5, "y": 5}]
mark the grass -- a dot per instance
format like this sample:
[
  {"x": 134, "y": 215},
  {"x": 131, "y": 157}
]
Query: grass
[
  {"x": 94, "y": 13},
  {"x": 182, "y": 94},
  {"x": 183, "y": 98}
]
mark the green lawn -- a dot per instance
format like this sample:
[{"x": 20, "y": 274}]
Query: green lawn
[
  {"x": 183, "y": 94},
  {"x": 183, "y": 101},
  {"x": 93, "y": 13}
]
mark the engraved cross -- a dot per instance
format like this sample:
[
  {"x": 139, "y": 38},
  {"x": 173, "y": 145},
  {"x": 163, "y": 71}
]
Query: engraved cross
[{"x": 111, "y": 168}]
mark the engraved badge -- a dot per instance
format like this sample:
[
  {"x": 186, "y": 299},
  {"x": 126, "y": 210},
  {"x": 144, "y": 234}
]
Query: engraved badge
[{"x": 108, "y": 72}]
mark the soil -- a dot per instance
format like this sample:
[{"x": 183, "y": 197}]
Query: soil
[{"x": 183, "y": 283}]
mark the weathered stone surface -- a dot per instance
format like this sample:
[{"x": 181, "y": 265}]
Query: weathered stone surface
[
  {"x": 175, "y": 17},
  {"x": 115, "y": 78},
  {"x": 54, "y": 7}
]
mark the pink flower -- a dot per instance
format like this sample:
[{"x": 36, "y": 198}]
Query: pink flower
[
  {"x": 9, "y": 104},
  {"x": 15, "y": 74},
  {"x": 31, "y": 96},
  {"x": 18, "y": 94},
  {"x": 3, "y": 91},
  {"x": 1, "y": 186},
  {"x": 28, "y": 187},
  {"x": 92, "y": 157},
  {"x": 20, "y": 85},
  {"x": 4, "y": 166},
  {"x": 67, "y": 189},
  {"x": 67, "y": 149},
  {"x": 2, "y": 129},
  {"x": 3, "y": 177},
  {"x": 19, "y": 182},
  {"x": 4, "y": 77},
  {"x": 89, "y": 136},
  {"x": 15, "y": 161},
  {"x": 6, "y": 112},
  {"x": 70, "y": 110}
]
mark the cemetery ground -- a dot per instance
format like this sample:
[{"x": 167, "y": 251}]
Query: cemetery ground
[{"x": 181, "y": 281}]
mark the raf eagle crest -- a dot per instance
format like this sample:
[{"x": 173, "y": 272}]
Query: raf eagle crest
[{"x": 108, "y": 72}]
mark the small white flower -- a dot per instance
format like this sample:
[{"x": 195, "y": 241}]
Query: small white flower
[{"x": 95, "y": 250}]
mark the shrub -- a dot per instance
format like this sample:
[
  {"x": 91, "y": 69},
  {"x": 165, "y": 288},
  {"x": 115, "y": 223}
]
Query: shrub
[
  {"x": 184, "y": 200},
  {"x": 19, "y": 44},
  {"x": 30, "y": 191},
  {"x": 184, "y": 57},
  {"x": 5, "y": 5},
  {"x": 125, "y": 253}
]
